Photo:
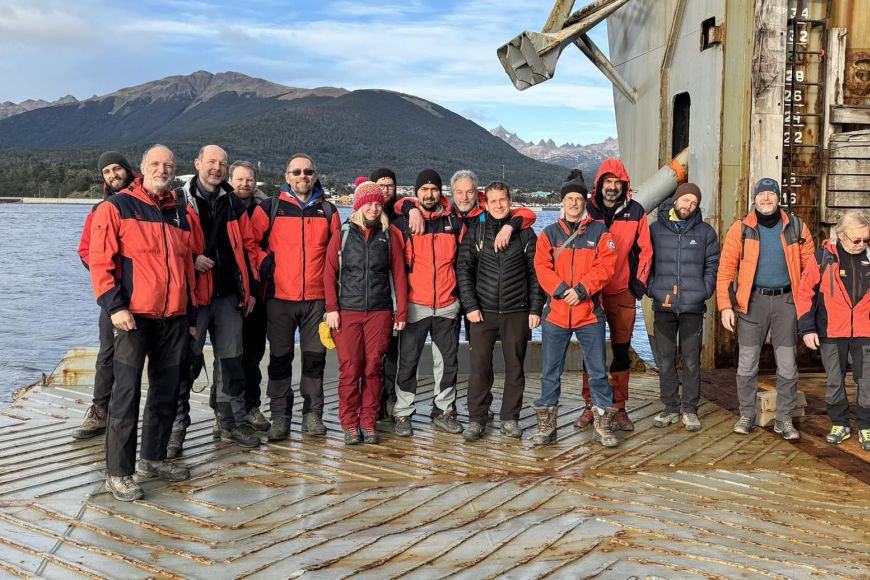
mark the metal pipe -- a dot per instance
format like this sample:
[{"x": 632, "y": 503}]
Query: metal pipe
[
  {"x": 593, "y": 53},
  {"x": 662, "y": 184}
]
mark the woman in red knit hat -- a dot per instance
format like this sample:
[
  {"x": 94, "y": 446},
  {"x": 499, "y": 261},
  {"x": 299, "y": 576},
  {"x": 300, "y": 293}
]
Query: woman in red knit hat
[{"x": 364, "y": 270}]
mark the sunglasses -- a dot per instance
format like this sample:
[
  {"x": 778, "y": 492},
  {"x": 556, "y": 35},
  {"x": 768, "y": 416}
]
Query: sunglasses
[
  {"x": 298, "y": 172},
  {"x": 857, "y": 242}
]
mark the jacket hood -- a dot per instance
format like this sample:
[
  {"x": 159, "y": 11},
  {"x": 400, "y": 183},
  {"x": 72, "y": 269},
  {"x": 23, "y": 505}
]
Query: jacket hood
[
  {"x": 664, "y": 216},
  {"x": 615, "y": 167},
  {"x": 165, "y": 199},
  {"x": 831, "y": 245}
]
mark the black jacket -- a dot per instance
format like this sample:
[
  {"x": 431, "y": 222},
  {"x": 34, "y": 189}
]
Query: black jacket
[
  {"x": 684, "y": 266},
  {"x": 502, "y": 282}
]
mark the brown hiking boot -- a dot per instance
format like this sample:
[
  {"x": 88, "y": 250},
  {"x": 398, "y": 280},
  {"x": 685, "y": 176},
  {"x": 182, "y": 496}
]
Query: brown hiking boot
[
  {"x": 94, "y": 423},
  {"x": 546, "y": 425},
  {"x": 585, "y": 419},
  {"x": 621, "y": 422},
  {"x": 602, "y": 430}
]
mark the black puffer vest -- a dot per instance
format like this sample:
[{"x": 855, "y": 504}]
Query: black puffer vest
[{"x": 364, "y": 279}]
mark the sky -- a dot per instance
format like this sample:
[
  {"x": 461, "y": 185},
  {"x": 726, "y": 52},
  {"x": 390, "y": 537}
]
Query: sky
[{"x": 441, "y": 50}]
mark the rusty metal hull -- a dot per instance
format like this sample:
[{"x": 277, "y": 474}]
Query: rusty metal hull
[{"x": 665, "y": 503}]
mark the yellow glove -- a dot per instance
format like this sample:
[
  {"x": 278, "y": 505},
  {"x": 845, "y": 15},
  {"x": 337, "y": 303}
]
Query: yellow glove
[{"x": 326, "y": 336}]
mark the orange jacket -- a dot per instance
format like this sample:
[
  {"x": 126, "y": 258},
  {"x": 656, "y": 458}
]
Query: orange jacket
[
  {"x": 140, "y": 254},
  {"x": 246, "y": 252},
  {"x": 430, "y": 258},
  {"x": 630, "y": 231},
  {"x": 521, "y": 217},
  {"x": 297, "y": 243},
  {"x": 740, "y": 258},
  {"x": 823, "y": 304},
  {"x": 586, "y": 263}
]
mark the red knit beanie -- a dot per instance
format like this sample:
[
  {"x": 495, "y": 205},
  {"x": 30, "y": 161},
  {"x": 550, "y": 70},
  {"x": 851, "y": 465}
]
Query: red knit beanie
[
  {"x": 360, "y": 179},
  {"x": 367, "y": 192}
]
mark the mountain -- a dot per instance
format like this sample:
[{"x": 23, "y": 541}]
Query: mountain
[
  {"x": 7, "y": 109},
  {"x": 348, "y": 133},
  {"x": 586, "y": 157}
]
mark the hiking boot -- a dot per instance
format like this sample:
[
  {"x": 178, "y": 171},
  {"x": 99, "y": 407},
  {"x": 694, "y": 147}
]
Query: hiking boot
[
  {"x": 165, "y": 470},
  {"x": 691, "y": 421},
  {"x": 124, "y": 487},
  {"x": 838, "y": 434},
  {"x": 216, "y": 430},
  {"x": 864, "y": 439},
  {"x": 744, "y": 425},
  {"x": 403, "y": 427},
  {"x": 447, "y": 422},
  {"x": 93, "y": 424},
  {"x": 257, "y": 420},
  {"x": 546, "y": 425},
  {"x": 352, "y": 436},
  {"x": 665, "y": 418},
  {"x": 621, "y": 422},
  {"x": 511, "y": 428},
  {"x": 585, "y": 419},
  {"x": 473, "y": 431},
  {"x": 280, "y": 429},
  {"x": 312, "y": 423},
  {"x": 602, "y": 426},
  {"x": 786, "y": 429},
  {"x": 243, "y": 436},
  {"x": 370, "y": 436},
  {"x": 176, "y": 442}
]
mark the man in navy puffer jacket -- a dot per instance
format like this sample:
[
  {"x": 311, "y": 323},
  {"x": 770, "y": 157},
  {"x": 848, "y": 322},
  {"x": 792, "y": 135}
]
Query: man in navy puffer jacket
[{"x": 683, "y": 277}]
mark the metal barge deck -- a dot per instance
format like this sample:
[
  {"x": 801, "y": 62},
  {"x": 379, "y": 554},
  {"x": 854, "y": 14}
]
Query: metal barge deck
[{"x": 664, "y": 504}]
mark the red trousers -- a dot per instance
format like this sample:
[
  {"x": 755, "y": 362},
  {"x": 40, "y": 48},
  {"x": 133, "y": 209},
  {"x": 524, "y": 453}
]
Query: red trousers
[{"x": 361, "y": 343}]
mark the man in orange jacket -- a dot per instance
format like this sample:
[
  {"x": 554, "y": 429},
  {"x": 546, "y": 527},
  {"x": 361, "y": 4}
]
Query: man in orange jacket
[
  {"x": 574, "y": 260},
  {"x": 626, "y": 221},
  {"x": 117, "y": 175},
  {"x": 142, "y": 271},
  {"x": 766, "y": 251}
]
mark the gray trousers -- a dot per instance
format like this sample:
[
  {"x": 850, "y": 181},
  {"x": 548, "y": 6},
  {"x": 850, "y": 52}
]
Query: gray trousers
[
  {"x": 777, "y": 315},
  {"x": 222, "y": 320},
  {"x": 835, "y": 357}
]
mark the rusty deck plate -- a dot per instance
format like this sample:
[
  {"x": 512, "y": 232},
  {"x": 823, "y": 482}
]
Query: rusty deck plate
[{"x": 665, "y": 503}]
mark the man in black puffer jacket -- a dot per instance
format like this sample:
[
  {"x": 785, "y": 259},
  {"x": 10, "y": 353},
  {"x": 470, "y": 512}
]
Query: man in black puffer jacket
[
  {"x": 500, "y": 293},
  {"x": 685, "y": 261}
]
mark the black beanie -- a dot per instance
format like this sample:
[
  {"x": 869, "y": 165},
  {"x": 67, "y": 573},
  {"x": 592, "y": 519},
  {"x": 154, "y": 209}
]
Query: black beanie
[
  {"x": 428, "y": 176},
  {"x": 574, "y": 184},
  {"x": 110, "y": 157},
  {"x": 382, "y": 173}
]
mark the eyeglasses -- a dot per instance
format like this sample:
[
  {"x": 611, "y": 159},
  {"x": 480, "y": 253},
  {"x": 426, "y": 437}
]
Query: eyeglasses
[
  {"x": 298, "y": 172},
  {"x": 387, "y": 187},
  {"x": 858, "y": 242}
]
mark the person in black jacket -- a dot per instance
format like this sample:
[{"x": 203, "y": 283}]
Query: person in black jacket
[
  {"x": 685, "y": 261},
  {"x": 499, "y": 290}
]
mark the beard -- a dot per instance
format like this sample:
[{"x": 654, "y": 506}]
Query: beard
[
  {"x": 611, "y": 194},
  {"x": 159, "y": 184},
  {"x": 765, "y": 211},
  {"x": 429, "y": 203},
  {"x": 684, "y": 214}
]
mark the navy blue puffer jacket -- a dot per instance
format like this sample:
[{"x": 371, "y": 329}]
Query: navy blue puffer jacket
[{"x": 684, "y": 263}]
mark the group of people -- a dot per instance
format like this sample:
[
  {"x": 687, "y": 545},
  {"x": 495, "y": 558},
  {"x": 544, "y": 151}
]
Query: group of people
[{"x": 216, "y": 257}]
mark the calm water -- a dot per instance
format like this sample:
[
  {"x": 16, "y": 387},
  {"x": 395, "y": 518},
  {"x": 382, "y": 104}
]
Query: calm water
[{"x": 48, "y": 305}]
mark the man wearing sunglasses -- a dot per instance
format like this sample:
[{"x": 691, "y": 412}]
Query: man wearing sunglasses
[
  {"x": 766, "y": 252},
  {"x": 295, "y": 235}
]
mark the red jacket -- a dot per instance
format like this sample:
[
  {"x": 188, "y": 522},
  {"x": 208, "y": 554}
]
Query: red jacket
[
  {"x": 430, "y": 258},
  {"x": 246, "y": 252},
  {"x": 140, "y": 254},
  {"x": 297, "y": 243},
  {"x": 85, "y": 240},
  {"x": 823, "y": 304},
  {"x": 630, "y": 232},
  {"x": 397, "y": 263},
  {"x": 587, "y": 261},
  {"x": 521, "y": 217}
]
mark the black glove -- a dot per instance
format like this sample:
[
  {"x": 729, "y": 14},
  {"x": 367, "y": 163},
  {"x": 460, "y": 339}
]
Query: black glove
[
  {"x": 637, "y": 288},
  {"x": 267, "y": 268}
]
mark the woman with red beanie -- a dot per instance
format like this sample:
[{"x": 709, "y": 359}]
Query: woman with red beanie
[{"x": 364, "y": 270}]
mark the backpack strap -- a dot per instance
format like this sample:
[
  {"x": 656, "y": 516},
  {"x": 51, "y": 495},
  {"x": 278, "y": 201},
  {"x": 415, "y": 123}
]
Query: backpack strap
[
  {"x": 274, "y": 202},
  {"x": 345, "y": 231},
  {"x": 480, "y": 233}
]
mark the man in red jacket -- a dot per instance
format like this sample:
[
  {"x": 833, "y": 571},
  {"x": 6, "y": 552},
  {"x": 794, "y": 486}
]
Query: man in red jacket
[
  {"x": 142, "y": 271},
  {"x": 295, "y": 235},
  {"x": 117, "y": 175},
  {"x": 626, "y": 221}
]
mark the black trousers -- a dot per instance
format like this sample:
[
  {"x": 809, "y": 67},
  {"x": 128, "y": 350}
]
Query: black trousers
[
  {"x": 391, "y": 366},
  {"x": 253, "y": 349},
  {"x": 164, "y": 342},
  {"x": 445, "y": 339},
  {"x": 104, "y": 372},
  {"x": 284, "y": 317},
  {"x": 515, "y": 335},
  {"x": 836, "y": 353},
  {"x": 688, "y": 329}
]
